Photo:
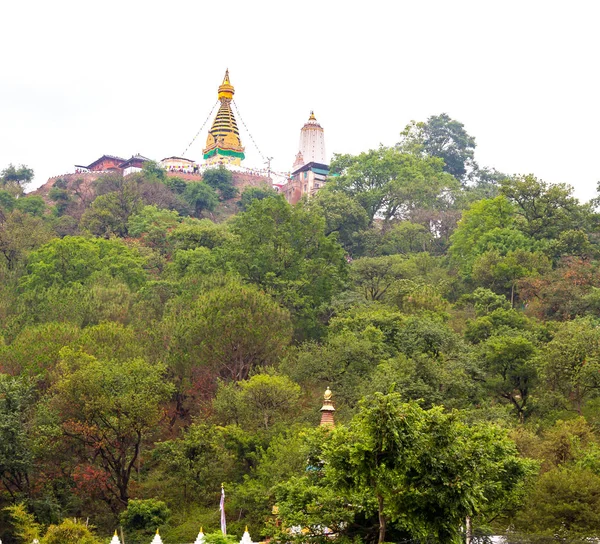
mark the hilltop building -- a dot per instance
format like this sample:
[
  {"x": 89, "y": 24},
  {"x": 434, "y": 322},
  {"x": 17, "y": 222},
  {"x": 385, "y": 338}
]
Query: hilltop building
[
  {"x": 312, "y": 144},
  {"x": 179, "y": 164},
  {"x": 224, "y": 147},
  {"x": 104, "y": 163},
  {"x": 111, "y": 163},
  {"x": 310, "y": 169},
  {"x": 223, "y": 144}
]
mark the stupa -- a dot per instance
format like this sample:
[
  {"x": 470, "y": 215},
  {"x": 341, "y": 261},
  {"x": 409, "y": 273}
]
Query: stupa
[
  {"x": 115, "y": 539},
  {"x": 223, "y": 144},
  {"x": 156, "y": 539},
  {"x": 327, "y": 410},
  {"x": 200, "y": 537},
  {"x": 246, "y": 537}
]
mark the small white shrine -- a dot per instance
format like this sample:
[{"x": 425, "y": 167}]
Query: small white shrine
[
  {"x": 246, "y": 537},
  {"x": 115, "y": 539},
  {"x": 156, "y": 539},
  {"x": 199, "y": 538}
]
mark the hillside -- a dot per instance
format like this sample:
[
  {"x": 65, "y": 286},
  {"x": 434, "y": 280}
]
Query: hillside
[{"x": 163, "y": 335}]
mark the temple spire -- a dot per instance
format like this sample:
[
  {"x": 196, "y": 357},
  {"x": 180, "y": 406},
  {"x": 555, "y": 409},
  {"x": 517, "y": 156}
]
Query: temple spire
[
  {"x": 223, "y": 144},
  {"x": 312, "y": 143},
  {"x": 327, "y": 409}
]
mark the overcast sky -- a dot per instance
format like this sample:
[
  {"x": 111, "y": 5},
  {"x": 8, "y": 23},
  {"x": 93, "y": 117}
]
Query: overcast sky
[{"x": 82, "y": 79}]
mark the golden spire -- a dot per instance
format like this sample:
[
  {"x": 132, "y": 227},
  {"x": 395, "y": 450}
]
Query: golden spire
[
  {"x": 157, "y": 530},
  {"x": 226, "y": 89},
  {"x": 223, "y": 143},
  {"x": 312, "y": 116},
  {"x": 327, "y": 409},
  {"x": 246, "y": 528},
  {"x": 115, "y": 533}
]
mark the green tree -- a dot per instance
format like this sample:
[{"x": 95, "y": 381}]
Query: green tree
[
  {"x": 76, "y": 260},
  {"x": 546, "y": 209},
  {"x": 35, "y": 350},
  {"x": 111, "y": 408},
  {"x": 15, "y": 179},
  {"x": 200, "y": 196},
  {"x": 259, "y": 403},
  {"x": 345, "y": 360},
  {"x": 195, "y": 465},
  {"x": 16, "y": 456},
  {"x": 192, "y": 234},
  {"x": 229, "y": 329},
  {"x": 20, "y": 233},
  {"x": 564, "y": 502},
  {"x": 109, "y": 213},
  {"x": 25, "y": 527},
  {"x": 250, "y": 194},
  {"x": 394, "y": 185},
  {"x": 502, "y": 273},
  {"x": 374, "y": 276},
  {"x": 405, "y": 238},
  {"x": 343, "y": 215},
  {"x": 570, "y": 363},
  {"x": 7, "y": 201},
  {"x": 284, "y": 250},
  {"x": 221, "y": 180},
  {"x": 511, "y": 372},
  {"x": 442, "y": 137},
  {"x": 143, "y": 517},
  {"x": 152, "y": 226},
  {"x": 70, "y": 531},
  {"x": 33, "y": 205},
  {"x": 485, "y": 216},
  {"x": 62, "y": 199},
  {"x": 420, "y": 470}
]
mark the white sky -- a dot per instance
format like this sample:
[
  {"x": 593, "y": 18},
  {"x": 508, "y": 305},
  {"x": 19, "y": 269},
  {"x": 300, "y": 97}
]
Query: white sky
[{"x": 81, "y": 79}]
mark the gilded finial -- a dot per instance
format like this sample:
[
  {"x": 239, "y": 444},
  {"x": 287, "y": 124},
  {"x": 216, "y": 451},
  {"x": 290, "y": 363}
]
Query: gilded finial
[
  {"x": 327, "y": 395},
  {"x": 246, "y": 528},
  {"x": 157, "y": 530},
  {"x": 116, "y": 532},
  {"x": 226, "y": 90},
  {"x": 202, "y": 530},
  {"x": 312, "y": 116}
]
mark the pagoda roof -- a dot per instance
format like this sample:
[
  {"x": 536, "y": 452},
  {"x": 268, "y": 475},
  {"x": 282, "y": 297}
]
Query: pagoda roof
[
  {"x": 114, "y": 157},
  {"x": 134, "y": 158},
  {"x": 316, "y": 167}
]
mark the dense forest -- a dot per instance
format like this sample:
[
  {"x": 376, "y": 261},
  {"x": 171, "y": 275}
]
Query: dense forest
[{"x": 160, "y": 338}]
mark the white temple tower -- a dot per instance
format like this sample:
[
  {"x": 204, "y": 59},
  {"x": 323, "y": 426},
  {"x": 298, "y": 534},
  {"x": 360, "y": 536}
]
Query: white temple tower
[{"x": 312, "y": 144}]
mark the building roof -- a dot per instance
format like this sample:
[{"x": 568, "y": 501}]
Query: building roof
[
  {"x": 316, "y": 167},
  {"x": 113, "y": 157},
  {"x": 134, "y": 158},
  {"x": 176, "y": 159}
]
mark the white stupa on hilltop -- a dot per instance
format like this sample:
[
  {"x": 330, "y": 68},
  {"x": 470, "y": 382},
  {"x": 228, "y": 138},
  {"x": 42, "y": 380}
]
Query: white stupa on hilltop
[
  {"x": 115, "y": 539},
  {"x": 156, "y": 539},
  {"x": 246, "y": 537},
  {"x": 199, "y": 538}
]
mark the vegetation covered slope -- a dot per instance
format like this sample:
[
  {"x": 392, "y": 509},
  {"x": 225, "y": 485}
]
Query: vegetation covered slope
[{"x": 149, "y": 354}]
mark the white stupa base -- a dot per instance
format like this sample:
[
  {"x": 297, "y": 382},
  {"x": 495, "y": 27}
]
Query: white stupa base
[{"x": 246, "y": 538}]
